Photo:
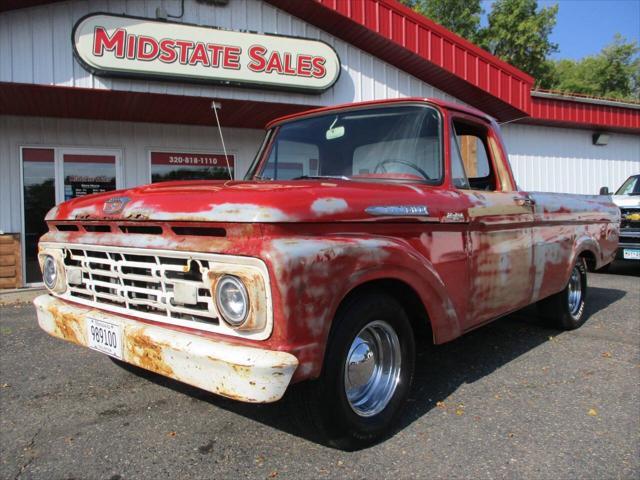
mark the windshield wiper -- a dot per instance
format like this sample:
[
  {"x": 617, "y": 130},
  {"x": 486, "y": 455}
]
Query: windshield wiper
[{"x": 313, "y": 177}]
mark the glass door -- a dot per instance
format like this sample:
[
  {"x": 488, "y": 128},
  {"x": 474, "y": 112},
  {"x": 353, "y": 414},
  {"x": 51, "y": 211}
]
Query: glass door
[
  {"x": 39, "y": 196},
  {"x": 54, "y": 175}
]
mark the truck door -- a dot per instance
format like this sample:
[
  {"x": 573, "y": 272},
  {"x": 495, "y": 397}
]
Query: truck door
[{"x": 500, "y": 224}]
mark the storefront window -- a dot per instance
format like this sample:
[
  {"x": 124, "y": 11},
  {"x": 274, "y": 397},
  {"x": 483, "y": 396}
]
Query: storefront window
[{"x": 166, "y": 166}]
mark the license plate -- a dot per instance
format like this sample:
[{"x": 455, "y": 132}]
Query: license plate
[
  {"x": 105, "y": 337},
  {"x": 631, "y": 254}
]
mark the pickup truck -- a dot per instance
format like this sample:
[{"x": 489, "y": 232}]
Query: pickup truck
[
  {"x": 627, "y": 198},
  {"x": 356, "y": 227}
]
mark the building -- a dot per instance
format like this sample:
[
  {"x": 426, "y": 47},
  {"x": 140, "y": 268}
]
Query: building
[{"x": 98, "y": 95}]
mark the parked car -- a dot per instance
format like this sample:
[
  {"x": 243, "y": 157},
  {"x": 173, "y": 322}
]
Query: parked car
[
  {"x": 356, "y": 226},
  {"x": 627, "y": 198}
]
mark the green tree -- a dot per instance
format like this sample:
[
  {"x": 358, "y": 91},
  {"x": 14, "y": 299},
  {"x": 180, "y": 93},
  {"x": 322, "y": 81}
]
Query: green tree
[
  {"x": 459, "y": 16},
  {"x": 518, "y": 33},
  {"x": 614, "y": 72}
]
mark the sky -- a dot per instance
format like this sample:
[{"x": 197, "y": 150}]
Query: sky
[{"x": 585, "y": 26}]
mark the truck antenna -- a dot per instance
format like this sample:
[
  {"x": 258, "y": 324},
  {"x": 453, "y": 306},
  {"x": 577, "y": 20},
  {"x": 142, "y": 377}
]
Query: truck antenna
[{"x": 215, "y": 106}]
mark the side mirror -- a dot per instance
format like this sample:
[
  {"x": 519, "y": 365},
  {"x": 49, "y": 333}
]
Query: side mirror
[{"x": 604, "y": 190}]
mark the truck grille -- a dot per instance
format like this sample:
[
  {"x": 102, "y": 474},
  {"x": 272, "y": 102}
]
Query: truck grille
[
  {"x": 141, "y": 282},
  {"x": 629, "y": 218}
]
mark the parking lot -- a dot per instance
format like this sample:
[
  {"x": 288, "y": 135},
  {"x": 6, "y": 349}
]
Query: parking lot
[{"x": 515, "y": 399}]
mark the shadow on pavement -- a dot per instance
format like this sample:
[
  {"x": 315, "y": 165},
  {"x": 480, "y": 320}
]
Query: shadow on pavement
[
  {"x": 440, "y": 369},
  {"x": 623, "y": 267}
]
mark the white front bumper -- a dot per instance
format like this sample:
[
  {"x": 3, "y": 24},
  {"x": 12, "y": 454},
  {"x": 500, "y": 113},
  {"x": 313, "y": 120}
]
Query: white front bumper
[{"x": 243, "y": 373}]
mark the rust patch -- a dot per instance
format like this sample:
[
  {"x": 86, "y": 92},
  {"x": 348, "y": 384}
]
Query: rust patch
[
  {"x": 241, "y": 370},
  {"x": 144, "y": 352},
  {"x": 68, "y": 325}
]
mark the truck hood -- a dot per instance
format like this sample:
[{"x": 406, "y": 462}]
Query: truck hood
[
  {"x": 249, "y": 201},
  {"x": 626, "y": 201}
]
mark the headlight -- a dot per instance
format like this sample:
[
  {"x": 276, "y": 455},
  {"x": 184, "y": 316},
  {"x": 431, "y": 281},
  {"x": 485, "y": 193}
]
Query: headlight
[
  {"x": 50, "y": 272},
  {"x": 232, "y": 300}
]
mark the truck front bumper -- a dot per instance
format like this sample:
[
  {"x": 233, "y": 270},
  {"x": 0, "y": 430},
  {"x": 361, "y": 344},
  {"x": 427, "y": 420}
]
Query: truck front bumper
[{"x": 235, "y": 371}]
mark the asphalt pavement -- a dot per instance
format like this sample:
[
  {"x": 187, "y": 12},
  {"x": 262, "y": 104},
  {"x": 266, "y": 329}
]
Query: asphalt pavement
[{"x": 515, "y": 399}]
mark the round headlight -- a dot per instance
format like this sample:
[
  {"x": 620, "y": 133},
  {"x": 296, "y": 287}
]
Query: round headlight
[
  {"x": 232, "y": 300},
  {"x": 49, "y": 272}
]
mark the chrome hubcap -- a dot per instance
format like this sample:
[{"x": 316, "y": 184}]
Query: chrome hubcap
[
  {"x": 372, "y": 368},
  {"x": 575, "y": 291}
]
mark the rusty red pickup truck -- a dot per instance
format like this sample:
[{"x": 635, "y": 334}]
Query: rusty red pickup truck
[{"x": 356, "y": 227}]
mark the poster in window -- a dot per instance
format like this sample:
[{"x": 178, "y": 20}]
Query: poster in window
[{"x": 87, "y": 174}]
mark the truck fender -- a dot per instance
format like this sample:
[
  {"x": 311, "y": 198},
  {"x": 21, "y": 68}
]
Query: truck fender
[
  {"x": 584, "y": 243},
  {"x": 313, "y": 275}
]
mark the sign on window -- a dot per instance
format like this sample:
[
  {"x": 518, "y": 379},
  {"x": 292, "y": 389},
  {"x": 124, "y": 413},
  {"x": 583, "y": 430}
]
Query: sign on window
[{"x": 167, "y": 166}]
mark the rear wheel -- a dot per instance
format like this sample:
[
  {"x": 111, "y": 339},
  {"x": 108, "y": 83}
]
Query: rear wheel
[
  {"x": 566, "y": 308},
  {"x": 367, "y": 373}
]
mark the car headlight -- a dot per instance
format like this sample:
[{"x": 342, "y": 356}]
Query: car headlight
[
  {"x": 232, "y": 300},
  {"x": 50, "y": 272},
  {"x": 53, "y": 272}
]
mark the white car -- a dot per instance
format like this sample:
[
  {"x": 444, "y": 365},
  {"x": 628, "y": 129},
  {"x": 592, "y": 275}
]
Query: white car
[{"x": 627, "y": 198}]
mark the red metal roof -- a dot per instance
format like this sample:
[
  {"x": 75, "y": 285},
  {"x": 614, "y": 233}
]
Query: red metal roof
[
  {"x": 396, "y": 34},
  {"x": 581, "y": 113},
  {"x": 417, "y": 45}
]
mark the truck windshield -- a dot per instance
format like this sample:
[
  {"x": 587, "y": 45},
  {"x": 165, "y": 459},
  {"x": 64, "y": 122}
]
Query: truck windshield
[
  {"x": 630, "y": 187},
  {"x": 382, "y": 143}
]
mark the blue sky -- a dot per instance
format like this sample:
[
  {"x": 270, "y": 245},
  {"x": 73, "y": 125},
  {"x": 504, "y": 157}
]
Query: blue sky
[{"x": 585, "y": 26}]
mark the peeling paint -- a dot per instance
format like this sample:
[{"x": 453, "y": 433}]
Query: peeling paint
[
  {"x": 235, "y": 371},
  {"x": 328, "y": 206},
  {"x": 315, "y": 243}
]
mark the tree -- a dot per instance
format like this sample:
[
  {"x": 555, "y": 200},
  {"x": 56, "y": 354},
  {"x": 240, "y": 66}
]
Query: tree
[
  {"x": 614, "y": 72},
  {"x": 518, "y": 33},
  {"x": 459, "y": 16}
]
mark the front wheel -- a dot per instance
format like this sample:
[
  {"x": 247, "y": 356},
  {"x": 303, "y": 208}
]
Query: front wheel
[
  {"x": 367, "y": 373},
  {"x": 566, "y": 308}
]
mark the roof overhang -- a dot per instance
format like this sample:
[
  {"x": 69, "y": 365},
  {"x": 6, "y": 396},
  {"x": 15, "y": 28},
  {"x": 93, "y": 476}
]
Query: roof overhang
[
  {"x": 87, "y": 103},
  {"x": 396, "y": 34},
  {"x": 573, "y": 111}
]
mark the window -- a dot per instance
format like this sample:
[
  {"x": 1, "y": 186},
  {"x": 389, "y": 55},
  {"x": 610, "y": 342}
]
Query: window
[
  {"x": 291, "y": 160},
  {"x": 457, "y": 168},
  {"x": 376, "y": 144},
  {"x": 473, "y": 153},
  {"x": 166, "y": 166},
  {"x": 630, "y": 187}
]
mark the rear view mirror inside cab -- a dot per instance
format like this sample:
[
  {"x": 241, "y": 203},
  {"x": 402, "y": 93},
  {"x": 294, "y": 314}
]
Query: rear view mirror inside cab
[{"x": 334, "y": 132}]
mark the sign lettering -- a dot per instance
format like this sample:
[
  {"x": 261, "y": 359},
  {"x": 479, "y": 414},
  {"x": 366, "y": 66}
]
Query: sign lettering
[{"x": 126, "y": 46}]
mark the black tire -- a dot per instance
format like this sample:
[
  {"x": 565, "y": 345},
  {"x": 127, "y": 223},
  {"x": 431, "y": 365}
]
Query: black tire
[
  {"x": 323, "y": 404},
  {"x": 559, "y": 309}
]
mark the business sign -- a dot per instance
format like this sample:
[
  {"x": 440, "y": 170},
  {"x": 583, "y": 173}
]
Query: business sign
[
  {"x": 138, "y": 47},
  {"x": 191, "y": 166}
]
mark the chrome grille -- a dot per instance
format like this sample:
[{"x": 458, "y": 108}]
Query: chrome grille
[{"x": 141, "y": 283}]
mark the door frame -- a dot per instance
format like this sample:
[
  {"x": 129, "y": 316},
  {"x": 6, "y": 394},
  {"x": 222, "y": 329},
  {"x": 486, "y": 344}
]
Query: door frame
[{"x": 58, "y": 181}]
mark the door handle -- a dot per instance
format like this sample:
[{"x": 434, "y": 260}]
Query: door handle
[{"x": 524, "y": 201}]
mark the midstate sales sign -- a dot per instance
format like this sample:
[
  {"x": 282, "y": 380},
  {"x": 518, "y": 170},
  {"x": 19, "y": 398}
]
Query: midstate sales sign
[{"x": 139, "y": 47}]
